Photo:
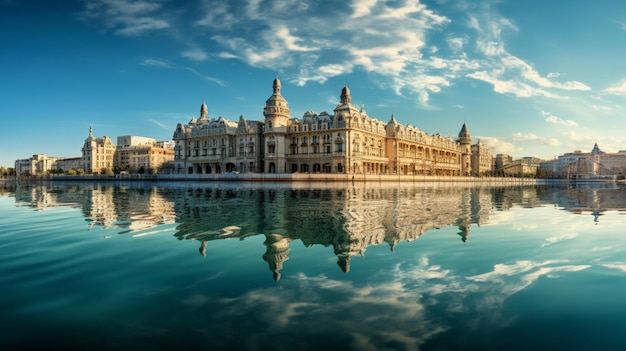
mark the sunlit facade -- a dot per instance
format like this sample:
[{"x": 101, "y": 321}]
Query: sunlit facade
[
  {"x": 141, "y": 154},
  {"x": 348, "y": 141},
  {"x": 98, "y": 154}
]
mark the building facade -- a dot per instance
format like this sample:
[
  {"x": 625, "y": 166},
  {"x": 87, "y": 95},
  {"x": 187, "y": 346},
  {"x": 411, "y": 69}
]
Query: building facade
[
  {"x": 523, "y": 167},
  {"x": 593, "y": 163},
  {"x": 481, "y": 160},
  {"x": 138, "y": 154},
  {"x": 347, "y": 141},
  {"x": 41, "y": 164},
  {"x": 98, "y": 154}
]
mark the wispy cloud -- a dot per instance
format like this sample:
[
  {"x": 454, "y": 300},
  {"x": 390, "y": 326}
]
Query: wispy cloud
[
  {"x": 161, "y": 125},
  {"x": 556, "y": 120},
  {"x": 602, "y": 108},
  {"x": 618, "y": 89},
  {"x": 195, "y": 54},
  {"x": 154, "y": 63},
  {"x": 534, "y": 137},
  {"x": 125, "y": 17},
  {"x": 508, "y": 73},
  {"x": 149, "y": 62},
  {"x": 205, "y": 77},
  {"x": 393, "y": 42}
]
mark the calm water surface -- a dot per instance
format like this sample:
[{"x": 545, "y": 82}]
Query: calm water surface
[{"x": 229, "y": 266}]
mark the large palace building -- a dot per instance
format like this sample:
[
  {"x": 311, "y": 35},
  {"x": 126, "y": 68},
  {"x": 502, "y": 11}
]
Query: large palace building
[{"x": 348, "y": 141}]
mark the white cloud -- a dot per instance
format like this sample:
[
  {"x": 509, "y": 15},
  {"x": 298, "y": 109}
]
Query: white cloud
[
  {"x": 498, "y": 146},
  {"x": 129, "y": 18},
  {"x": 575, "y": 136},
  {"x": 217, "y": 15},
  {"x": 362, "y": 7},
  {"x": 510, "y": 86},
  {"x": 456, "y": 44},
  {"x": 534, "y": 137},
  {"x": 374, "y": 36},
  {"x": 392, "y": 41},
  {"x": 154, "y": 63},
  {"x": 556, "y": 120},
  {"x": 195, "y": 54},
  {"x": 618, "y": 265},
  {"x": 602, "y": 108},
  {"x": 507, "y": 73},
  {"x": 618, "y": 89}
]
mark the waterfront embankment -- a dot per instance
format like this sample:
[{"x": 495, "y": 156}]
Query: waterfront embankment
[{"x": 297, "y": 178}]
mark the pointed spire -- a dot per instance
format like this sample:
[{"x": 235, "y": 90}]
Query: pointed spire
[
  {"x": 90, "y": 137},
  {"x": 393, "y": 119},
  {"x": 464, "y": 132},
  {"x": 596, "y": 149},
  {"x": 464, "y": 135}
]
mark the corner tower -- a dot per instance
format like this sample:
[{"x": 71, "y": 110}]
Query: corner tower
[
  {"x": 276, "y": 109},
  {"x": 465, "y": 141},
  {"x": 276, "y": 114}
]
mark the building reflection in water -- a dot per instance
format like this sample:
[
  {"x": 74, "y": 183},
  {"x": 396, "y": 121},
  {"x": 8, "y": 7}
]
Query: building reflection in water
[{"x": 347, "y": 218}]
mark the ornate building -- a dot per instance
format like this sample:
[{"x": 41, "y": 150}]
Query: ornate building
[
  {"x": 348, "y": 141},
  {"x": 205, "y": 146},
  {"x": 98, "y": 154}
]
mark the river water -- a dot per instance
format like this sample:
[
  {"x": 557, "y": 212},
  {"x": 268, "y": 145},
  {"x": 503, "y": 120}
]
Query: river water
[{"x": 271, "y": 266}]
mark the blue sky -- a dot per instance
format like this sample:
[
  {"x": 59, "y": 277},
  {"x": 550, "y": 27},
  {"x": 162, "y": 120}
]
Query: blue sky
[{"x": 530, "y": 78}]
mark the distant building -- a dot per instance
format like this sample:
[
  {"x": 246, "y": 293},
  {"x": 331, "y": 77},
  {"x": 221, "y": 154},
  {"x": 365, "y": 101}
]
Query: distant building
[
  {"x": 481, "y": 160},
  {"x": 141, "y": 154},
  {"x": 98, "y": 154},
  {"x": 346, "y": 141},
  {"x": 525, "y": 166},
  {"x": 595, "y": 162},
  {"x": 24, "y": 166},
  {"x": 66, "y": 164},
  {"x": 41, "y": 164},
  {"x": 499, "y": 162}
]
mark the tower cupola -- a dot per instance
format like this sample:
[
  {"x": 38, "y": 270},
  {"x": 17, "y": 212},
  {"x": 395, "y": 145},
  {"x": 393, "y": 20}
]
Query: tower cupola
[
  {"x": 345, "y": 96},
  {"x": 276, "y": 109}
]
